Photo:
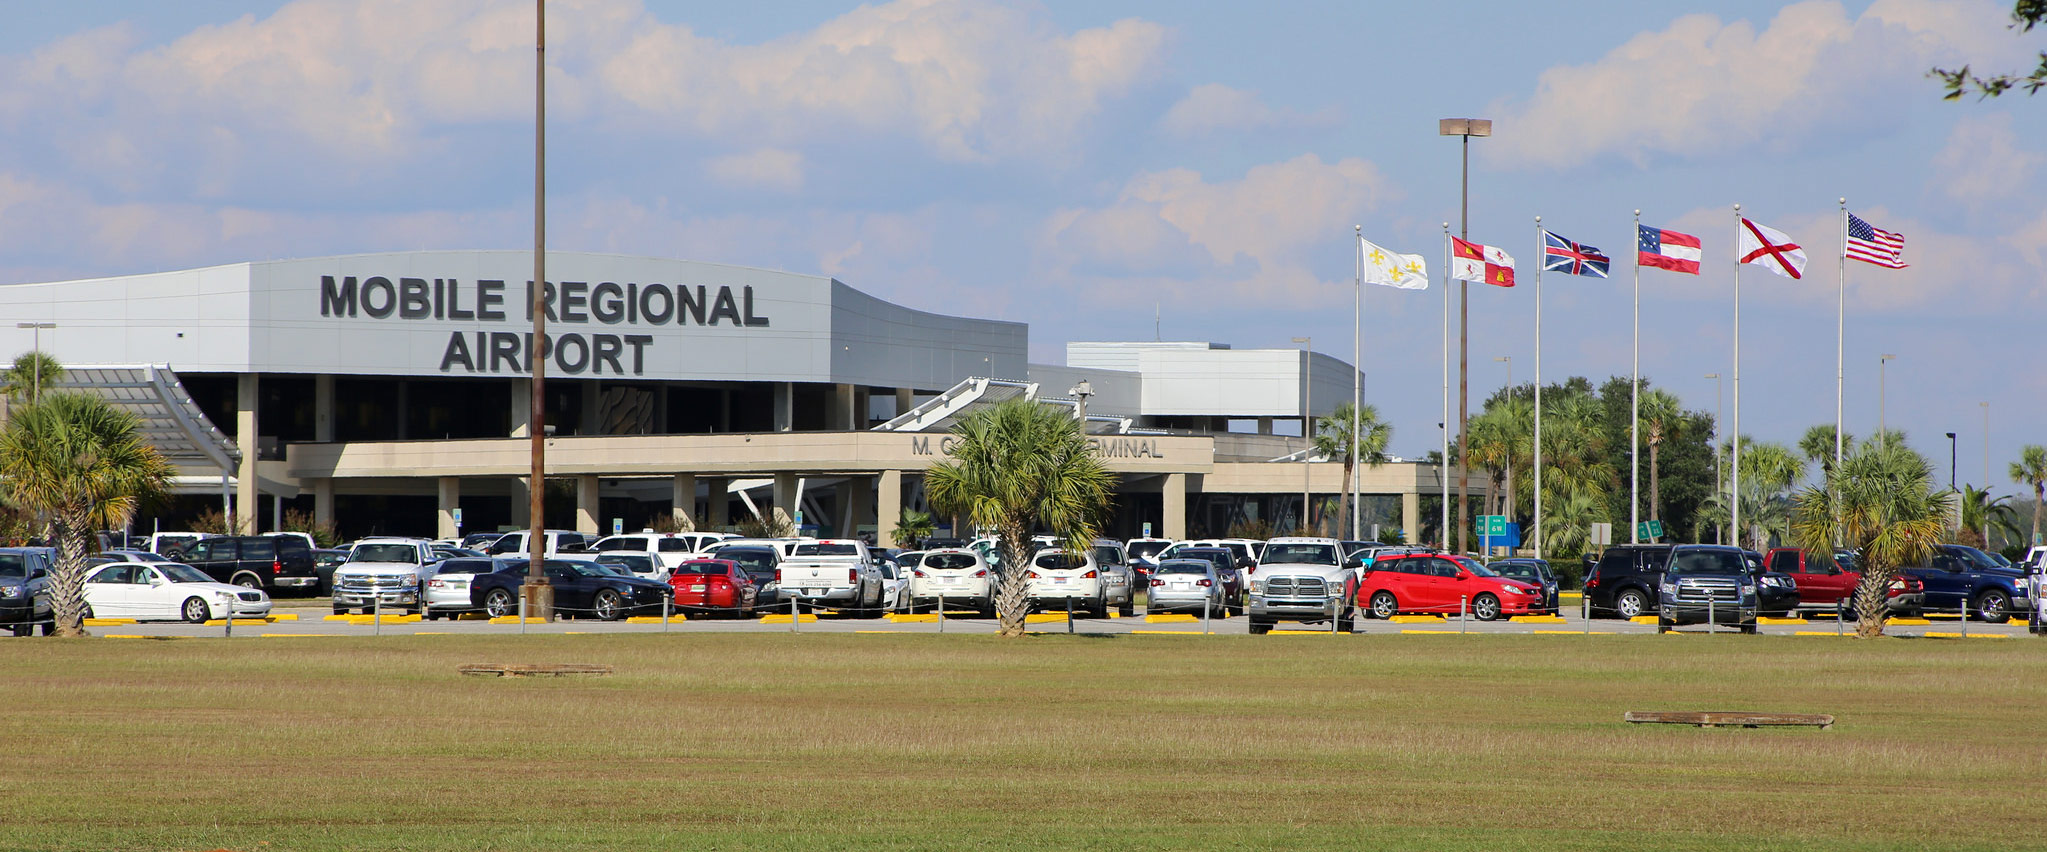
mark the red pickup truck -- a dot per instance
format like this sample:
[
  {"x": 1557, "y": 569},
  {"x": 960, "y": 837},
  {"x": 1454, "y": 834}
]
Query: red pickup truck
[{"x": 1824, "y": 582}]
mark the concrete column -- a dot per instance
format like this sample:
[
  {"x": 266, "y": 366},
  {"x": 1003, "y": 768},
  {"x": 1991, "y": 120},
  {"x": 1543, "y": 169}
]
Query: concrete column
[
  {"x": 718, "y": 500},
  {"x": 785, "y": 406},
  {"x": 593, "y": 396},
  {"x": 323, "y": 408},
  {"x": 323, "y": 500},
  {"x": 685, "y": 497},
  {"x": 450, "y": 499},
  {"x": 785, "y": 496},
  {"x": 843, "y": 399},
  {"x": 863, "y": 401},
  {"x": 522, "y": 509},
  {"x": 1411, "y": 515},
  {"x": 404, "y": 409},
  {"x": 888, "y": 508},
  {"x": 856, "y": 505},
  {"x": 1175, "y": 494},
  {"x": 1264, "y": 425},
  {"x": 521, "y": 399},
  {"x": 246, "y": 506},
  {"x": 586, "y": 503},
  {"x": 906, "y": 399}
]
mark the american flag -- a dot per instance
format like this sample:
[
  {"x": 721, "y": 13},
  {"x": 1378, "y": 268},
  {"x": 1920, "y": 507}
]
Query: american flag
[{"x": 1871, "y": 244}]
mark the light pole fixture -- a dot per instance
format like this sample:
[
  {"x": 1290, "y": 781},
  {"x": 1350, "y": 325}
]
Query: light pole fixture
[
  {"x": 1509, "y": 359},
  {"x": 1307, "y": 422},
  {"x": 36, "y": 357},
  {"x": 1466, "y": 128},
  {"x": 1951, "y": 462},
  {"x": 1081, "y": 392},
  {"x": 1882, "y": 385}
]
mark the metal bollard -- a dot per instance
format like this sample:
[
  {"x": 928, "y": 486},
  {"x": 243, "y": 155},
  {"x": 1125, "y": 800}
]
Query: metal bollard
[
  {"x": 522, "y": 614},
  {"x": 1204, "y": 615},
  {"x": 1069, "y": 615},
  {"x": 228, "y": 624},
  {"x": 1710, "y": 626},
  {"x": 1841, "y": 617},
  {"x": 793, "y": 615},
  {"x": 1965, "y": 616},
  {"x": 376, "y": 612},
  {"x": 1585, "y": 610},
  {"x": 667, "y": 601},
  {"x": 941, "y": 610},
  {"x": 1463, "y": 614}
]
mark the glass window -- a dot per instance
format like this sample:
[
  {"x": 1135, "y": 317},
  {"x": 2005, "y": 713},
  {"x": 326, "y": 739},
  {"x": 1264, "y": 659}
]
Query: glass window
[
  {"x": 1708, "y": 562},
  {"x": 258, "y": 550},
  {"x": 405, "y": 553},
  {"x": 949, "y": 561},
  {"x": 506, "y": 544},
  {"x": 1442, "y": 568},
  {"x": 1144, "y": 549},
  {"x": 1299, "y": 554},
  {"x": 1785, "y": 562},
  {"x": 1185, "y": 566},
  {"x": 464, "y": 566},
  {"x": 179, "y": 574},
  {"x": 114, "y": 574},
  {"x": 672, "y": 545},
  {"x": 827, "y": 548},
  {"x": 1515, "y": 570},
  {"x": 1059, "y": 561},
  {"x": 1108, "y": 555},
  {"x": 700, "y": 567},
  {"x": 12, "y": 565}
]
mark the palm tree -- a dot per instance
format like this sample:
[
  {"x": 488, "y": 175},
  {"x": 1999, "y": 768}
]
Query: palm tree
[
  {"x": 1333, "y": 441},
  {"x": 30, "y": 376},
  {"x": 1014, "y": 467},
  {"x": 1881, "y": 501},
  {"x": 2031, "y": 469},
  {"x": 1981, "y": 512},
  {"x": 1768, "y": 472},
  {"x": 1817, "y": 445},
  {"x": 1662, "y": 417},
  {"x": 914, "y": 528},
  {"x": 86, "y": 465}
]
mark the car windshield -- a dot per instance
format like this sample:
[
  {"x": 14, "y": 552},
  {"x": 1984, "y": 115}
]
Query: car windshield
[
  {"x": 1108, "y": 556},
  {"x": 949, "y": 561},
  {"x": 1475, "y": 567},
  {"x": 1184, "y": 566},
  {"x": 1146, "y": 549},
  {"x": 182, "y": 573},
  {"x": 1725, "y": 562},
  {"x": 385, "y": 553},
  {"x": 1974, "y": 557},
  {"x": 753, "y": 560},
  {"x": 11, "y": 565},
  {"x": 827, "y": 548},
  {"x": 635, "y": 563},
  {"x": 1299, "y": 554}
]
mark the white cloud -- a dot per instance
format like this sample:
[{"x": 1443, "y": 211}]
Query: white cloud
[
  {"x": 1252, "y": 233},
  {"x": 1703, "y": 87},
  {"x": 767, "y": 168},
  {"x": 1984, "y": 160},
  {"x": 1215, "y": 107}
]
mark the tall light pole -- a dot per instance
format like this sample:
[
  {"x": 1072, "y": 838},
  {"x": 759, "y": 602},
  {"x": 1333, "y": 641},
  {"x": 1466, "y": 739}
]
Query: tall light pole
[
  {"x": 1951, "y": 462},
  {"x": 1509, "y": 359},
  {"x": 1719, "y": 480},
  {"x": 1307, "y": 421},
  {"x": 1466, "y": 128},
  {"x": 1882, "y": 384},
  {"x": 1986, "y": 467},
  {"x": 538, "y": 593},
  {"x": 36, "y": 357}
]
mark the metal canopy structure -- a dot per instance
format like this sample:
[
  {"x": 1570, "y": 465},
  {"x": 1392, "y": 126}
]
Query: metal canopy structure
[
  {"x": 940, "y": 413},
  {"x": 170, "y": 420}
]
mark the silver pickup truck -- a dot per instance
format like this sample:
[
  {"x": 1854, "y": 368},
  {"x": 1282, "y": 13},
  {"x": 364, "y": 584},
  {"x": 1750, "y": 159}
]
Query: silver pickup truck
[
  {"x": 832, "y": 574},
  {"x": 383, "y": 572}
]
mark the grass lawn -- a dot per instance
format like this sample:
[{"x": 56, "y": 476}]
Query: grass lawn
[{"x": 820, "y": 741}]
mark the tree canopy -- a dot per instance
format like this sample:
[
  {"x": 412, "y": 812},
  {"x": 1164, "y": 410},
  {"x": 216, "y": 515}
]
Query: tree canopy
[{"x": 2025, "y": 15}]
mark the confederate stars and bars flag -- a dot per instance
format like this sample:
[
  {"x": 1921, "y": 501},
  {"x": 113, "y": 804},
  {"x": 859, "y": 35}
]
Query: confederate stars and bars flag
[
  {"x": 1667, "y": 250},
  {"x": 1771, "y": 249},
  {"x": 1473, "y": 262},
  {"x": 1871, "y": 244},
  {"x": 1562, "y": 255}
]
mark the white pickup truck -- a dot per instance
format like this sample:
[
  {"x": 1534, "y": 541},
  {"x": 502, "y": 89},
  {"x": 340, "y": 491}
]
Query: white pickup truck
[
  {"x": 832, "y": 574},
  {"x": 385, "y": 572}
]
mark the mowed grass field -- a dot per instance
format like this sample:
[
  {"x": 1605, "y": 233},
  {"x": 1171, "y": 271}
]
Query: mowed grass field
[{"x": 1054, "y": 742}]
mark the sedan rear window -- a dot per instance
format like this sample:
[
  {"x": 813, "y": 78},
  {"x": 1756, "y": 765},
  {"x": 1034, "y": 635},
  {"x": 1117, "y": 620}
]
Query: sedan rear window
[
  {"x": 949, "y": 561},
  {"x": 465, "y": 566},
  {"x": 1184, "y": 567},
  {"x": 700, "y": 568}
]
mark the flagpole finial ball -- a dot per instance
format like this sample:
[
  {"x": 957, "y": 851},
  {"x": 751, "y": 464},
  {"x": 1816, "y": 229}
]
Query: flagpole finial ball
[
  {"x": 1638, "y": 212},
  {"x": 1737, "y": 208},
  {"x": 1844, "y": 199},
  {"x": 1358, "y": 228},
  {"x": 1538, "y": 220}
]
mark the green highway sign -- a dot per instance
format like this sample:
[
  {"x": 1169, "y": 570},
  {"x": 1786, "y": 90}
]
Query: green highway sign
[
  {"x": 1493, "y": 525},
  {"x": 1649, "y": 529}
]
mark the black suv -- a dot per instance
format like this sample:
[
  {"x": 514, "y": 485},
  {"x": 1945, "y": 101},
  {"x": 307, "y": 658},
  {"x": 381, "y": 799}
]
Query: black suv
[
  {"x": 1623, "y": 583},
  {"x": 25, "y": 589},
  {"x": 269, "y": 562}
]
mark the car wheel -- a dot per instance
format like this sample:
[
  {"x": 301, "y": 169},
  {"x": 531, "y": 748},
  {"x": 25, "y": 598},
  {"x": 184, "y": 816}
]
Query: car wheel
[
  {"x": 1629, "y": 604},
  {"x": 49, "y": 628},
  {"x": 1260, "y": 627},
  {"x": 1485, "y": 607},
  {"x": 1384, "y": 606},
  {"x": 195, "y": 610},
  {"x": 607, "y": 606},
  {"x": 248, "y": 581},
  {"x": 1098, "y": 609},
  {"x": 499, "y": 604},
  {"x": 21, "y": 630},
  {"x": 1992, "y": 606}
]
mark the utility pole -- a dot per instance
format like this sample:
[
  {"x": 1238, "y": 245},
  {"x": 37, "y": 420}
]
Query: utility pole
[
  {"x": 1307, "y": 425},
  {"x": 1466, "y": 128},
  {"x": 539, "y": 594}
]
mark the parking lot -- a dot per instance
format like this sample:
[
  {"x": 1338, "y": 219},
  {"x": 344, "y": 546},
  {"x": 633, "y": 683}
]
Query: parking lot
[{"x": 300, "y": 617}]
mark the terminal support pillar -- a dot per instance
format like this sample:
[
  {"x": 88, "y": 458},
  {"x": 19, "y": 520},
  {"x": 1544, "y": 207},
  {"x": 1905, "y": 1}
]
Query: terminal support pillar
[
  {"x": 785, "y": 406},
  {"x": 450, "y": 499},
  {"x": 1264, "y": 425},
  {"x": 521, "y": 410},
  {"x": 785, "y": 496},
  {"x": 718, "y": 503},
  {"x": 684, "y": 512},
  {"x": 586, "y": 503},
  {"x": 1411, "y": 515},
  {"x": 906, "y": 399},
  {"x": 245, "y": 440},
  {"x": 856, "y": 504},
  {"x": 843, "y": 398},
  {"x": 1175, "y": 494},
  {"x": 323, "y": 500},
  {"x": 323, "y": 408},
  {"x": 888, "y": 513}
]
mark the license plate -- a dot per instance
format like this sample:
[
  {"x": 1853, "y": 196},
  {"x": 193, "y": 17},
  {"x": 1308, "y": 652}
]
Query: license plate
[
  {"x": 696, "y": 588},
  {"x": 1181, "y": 587},
  {"x": 1059, "y": 580},
  {"x": 813, "y": 591}
]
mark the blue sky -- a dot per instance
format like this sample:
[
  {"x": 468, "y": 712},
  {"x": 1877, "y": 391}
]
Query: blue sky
[{"x": 1080, "y": 165}]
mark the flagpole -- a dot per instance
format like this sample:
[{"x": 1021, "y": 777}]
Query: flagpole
[
  {"x": 1540, "y": 262},
  {"x": 1635, "y": 406},
  {"x": 1356, "y": 371},
  {"x": 1734, "y": 494},
  {"x": 1444, "y": 427},
  {"x": 1840, "y": 345}
]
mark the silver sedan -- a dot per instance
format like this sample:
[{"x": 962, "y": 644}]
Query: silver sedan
[{"x": 1185, "y": 584}]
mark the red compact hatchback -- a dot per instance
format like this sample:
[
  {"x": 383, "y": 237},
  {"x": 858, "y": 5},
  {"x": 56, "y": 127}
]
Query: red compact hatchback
[
  {"x": 1442, "y": 584},
  {"x": 713, "y": 585}
]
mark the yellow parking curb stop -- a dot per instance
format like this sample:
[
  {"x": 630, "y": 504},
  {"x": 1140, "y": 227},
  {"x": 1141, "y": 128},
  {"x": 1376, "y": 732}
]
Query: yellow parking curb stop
[
  {"x": 1643, "y": 619},
  {"x": 906, "y": 618},
  {"x": 1417, "y": 619},
  {"x": 1909, "y": 622},
  {"x": 653, "y": 619},
  {"x": 1537, "y": 619},
  {"x": 239, "y": 622},
  {"x": 1782, "y": 621},
  {"x": 289, "y": 616},
  {"x": 1170, "y": 618},
  {"x": 783, "y": 618},
  {"x": 108, "y": 622},
  {"x": 513, "y": 619}
]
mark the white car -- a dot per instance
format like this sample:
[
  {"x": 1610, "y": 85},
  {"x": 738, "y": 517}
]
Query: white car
[
  {"x": 1058, "y": 577},
  {"x": 671, "y": 549},
  {"x": 166, "y": 591},
  {"x": 447, "y": 591},
  {"x": 956, "y": 575},
  {"x": 895, "y": 587}
]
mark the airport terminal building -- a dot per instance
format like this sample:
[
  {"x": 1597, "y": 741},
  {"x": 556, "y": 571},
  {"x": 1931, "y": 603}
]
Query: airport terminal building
[{"x": 389, "y": 393}]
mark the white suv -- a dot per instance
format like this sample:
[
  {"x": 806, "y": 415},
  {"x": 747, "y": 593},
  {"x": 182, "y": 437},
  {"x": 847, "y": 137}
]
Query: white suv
[
  {"x": 952, "y": 574},
  {"x": 1059, "y": 577},
  {"x": 1302, "y": 579}
]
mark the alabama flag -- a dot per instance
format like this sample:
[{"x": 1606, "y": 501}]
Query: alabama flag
[{"x": 1474, "y": 262}]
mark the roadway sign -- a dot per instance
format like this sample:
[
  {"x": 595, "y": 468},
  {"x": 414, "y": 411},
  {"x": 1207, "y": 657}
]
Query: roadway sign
[
  {"x": 458, "y": 517},
  {"x": 617, "y": 526},
  {"x": 1602, "y": 533},
  {"x": 1649, "y": 529}
]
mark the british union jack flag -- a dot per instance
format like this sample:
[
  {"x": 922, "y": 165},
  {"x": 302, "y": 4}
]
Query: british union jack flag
[{"x": 1562, "y": 255}]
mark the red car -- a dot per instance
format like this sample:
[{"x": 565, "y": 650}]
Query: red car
[
  {"x": 713, "y": 585},
  {"x": 1826, "y": 582},
  {"x": 1442, "y": 584}
]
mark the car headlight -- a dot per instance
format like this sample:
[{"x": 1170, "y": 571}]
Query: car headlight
[
  {"x": 1670, "y": 589},
  {"x": 1257, "y": 587},
  {"x": 1748, "y": 590}
]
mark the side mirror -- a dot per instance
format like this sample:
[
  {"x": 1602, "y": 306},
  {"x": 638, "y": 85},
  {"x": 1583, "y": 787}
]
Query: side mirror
[{"x": 1463, "y": 574}]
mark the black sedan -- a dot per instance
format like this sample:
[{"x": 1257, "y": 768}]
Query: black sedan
[
  {"x": 1536, "y": 571},
  {"x": 581, "y": 589}
]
